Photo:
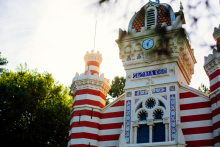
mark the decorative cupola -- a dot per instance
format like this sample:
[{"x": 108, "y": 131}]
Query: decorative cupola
[
  {"x": 216, "y": 36},
  {"x": 152, "y": 15}
]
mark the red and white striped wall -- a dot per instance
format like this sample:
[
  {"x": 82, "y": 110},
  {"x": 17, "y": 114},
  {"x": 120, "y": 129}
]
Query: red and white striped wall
[
  {"x": 215, "y": 97},
  {"x": 214, "y": 79},
  {"x": 93, "y": 66},
  {"x": 89, "y": 97},
  {"x": 111, "y": 122},
  {"x": 95, "y": 127},
  {"x": 196, "y": 117}
]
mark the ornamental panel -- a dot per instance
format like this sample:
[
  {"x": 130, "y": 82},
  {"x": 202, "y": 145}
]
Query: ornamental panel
[
  {"x": 172, "y": 116},
  {"x": 128, "y": 122}
]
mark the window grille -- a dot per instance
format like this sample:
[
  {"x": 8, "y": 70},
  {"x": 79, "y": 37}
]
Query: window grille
[
  {"x": 142, "y": 115},
  {"x": 158, "y": 114},
  {"x": 143, "y": 134},
  {"x": 159, "y": 132},
  {"x": 150, "y": 18}
]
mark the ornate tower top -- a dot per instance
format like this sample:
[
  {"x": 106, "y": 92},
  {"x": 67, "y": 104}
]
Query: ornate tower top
[
  {"x": 93, "y": 56},
  {"x": 90, "y": 83},
  {"x": 93, "y": 61},
  {"x": 216, "y": 36},
  {"x": 152, "y": 31}
]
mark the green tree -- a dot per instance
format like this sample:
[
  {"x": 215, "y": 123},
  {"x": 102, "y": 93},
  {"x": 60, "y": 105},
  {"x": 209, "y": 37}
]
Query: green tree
[
  {"x": 118, "y": 83},
  {"x": 3, "y": 61},
  {"x": 107, "y": 102},
  {"x": 204, "y": 89},
  {"x": 34, "y": 110}
]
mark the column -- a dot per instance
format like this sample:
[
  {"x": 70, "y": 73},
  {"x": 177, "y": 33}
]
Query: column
[
  {"x": 166, "y": 132},
  {"x": 166, "y": 123},
  {"x": 135, "y": 135},
  {"x": 150, "y": 133}
]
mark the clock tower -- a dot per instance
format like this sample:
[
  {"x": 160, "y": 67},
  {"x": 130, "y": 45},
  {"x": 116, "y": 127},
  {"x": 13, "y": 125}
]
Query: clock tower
[{"x": 158, "y": 59}]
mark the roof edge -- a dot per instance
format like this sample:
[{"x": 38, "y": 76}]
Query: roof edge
[
  {"x": 112, "y": 103},
  {"x": 195, "y": 91}
]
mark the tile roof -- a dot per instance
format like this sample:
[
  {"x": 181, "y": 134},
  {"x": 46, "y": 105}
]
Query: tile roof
[{"x": 163, "y": 15}]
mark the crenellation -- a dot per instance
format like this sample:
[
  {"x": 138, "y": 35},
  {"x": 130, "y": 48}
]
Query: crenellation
[
  {"x": 90, "y": 81},
  {"x": 93, "y": 56},
  {"x": 216, "y": 33}
]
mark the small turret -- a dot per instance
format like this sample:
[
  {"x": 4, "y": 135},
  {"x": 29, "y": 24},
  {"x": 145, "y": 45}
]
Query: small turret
[
  {"x": 93, "y": 61},
  {"x": 216, "y": 36},
  {"x": 89, "y": 97}
]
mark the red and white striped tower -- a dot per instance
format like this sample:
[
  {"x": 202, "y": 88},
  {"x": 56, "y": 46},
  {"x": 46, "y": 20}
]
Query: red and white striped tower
[
  {"x": 216, "y": 36},
  {"x": 93, "y": 61},
  {"x": 90, "y": 91},
  {"x": 212, "y": 68}
]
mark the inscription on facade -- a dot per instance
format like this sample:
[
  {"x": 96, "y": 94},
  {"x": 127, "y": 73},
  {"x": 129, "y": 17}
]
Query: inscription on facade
[{"x": 149, "y": 73}]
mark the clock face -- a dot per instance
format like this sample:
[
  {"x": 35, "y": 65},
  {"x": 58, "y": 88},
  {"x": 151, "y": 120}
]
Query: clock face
[{"x": 148, "y": 43}]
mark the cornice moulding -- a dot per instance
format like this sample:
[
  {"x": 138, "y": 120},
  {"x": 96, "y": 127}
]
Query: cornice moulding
[{"x": 84, "y": 81}]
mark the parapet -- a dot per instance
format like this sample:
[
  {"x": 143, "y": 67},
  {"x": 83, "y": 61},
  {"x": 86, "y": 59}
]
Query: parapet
[
  {"x": 89, "y": 81},
  {"x": 93, "y": 56},
  {"x": 216, "y": 33},
  {"x": 212, "y": 62}
]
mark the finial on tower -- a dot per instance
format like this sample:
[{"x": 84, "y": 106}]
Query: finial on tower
[
  {"x": 95, "y": 35},
  {"x": 181, "y": 6}
]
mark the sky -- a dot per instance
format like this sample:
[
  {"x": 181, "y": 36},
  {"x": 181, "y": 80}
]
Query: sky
[{"x": 54, "y": 35}]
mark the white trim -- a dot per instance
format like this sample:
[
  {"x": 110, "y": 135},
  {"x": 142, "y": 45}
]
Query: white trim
[
  {"x": 131, "y": 22},
  {"x": 112, "y": 103},
  {"x": 201, "y": 94}
]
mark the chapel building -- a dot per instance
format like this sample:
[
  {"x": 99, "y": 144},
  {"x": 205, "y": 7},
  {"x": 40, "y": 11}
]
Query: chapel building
[{"x": 158, "y": 108}]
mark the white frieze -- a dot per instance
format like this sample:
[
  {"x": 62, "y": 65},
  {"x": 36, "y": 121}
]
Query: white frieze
[{"x": 88, "y": 81}]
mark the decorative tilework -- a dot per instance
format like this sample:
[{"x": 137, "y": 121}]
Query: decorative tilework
[
  {"x": 139, "y": 56},
  {"x": 128, "y": 94},
  {"x": 129, "y": 58},
  {"x": 172, "y": 116},
  {"x": 128, "y": 121},
  {"x": 163, "y": 15},
  {"x": 150, "y": 73},
  {"x": 140, "y": 92},
  {"x": 138, "y": 22},
  {"x": 172, "y": 88},
  {"x": 136, "y": 100},
  {"x": 160, "y": 90},
  {"x": 165, "y": 97}
]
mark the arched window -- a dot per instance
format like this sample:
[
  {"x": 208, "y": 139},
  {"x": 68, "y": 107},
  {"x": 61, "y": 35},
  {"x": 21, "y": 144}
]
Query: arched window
[
  {"x": 150, "y": 18},
  {"x": 150, "y": 103},
  {"x": 159, "y": 132},
  {"x": 158, "y": 114},
  {"x": 142, "y": 115},
  {"x": 143, "y": 134}
]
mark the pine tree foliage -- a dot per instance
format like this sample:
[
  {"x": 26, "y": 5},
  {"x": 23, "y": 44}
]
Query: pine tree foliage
[{"x": 118, "y": 83}]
